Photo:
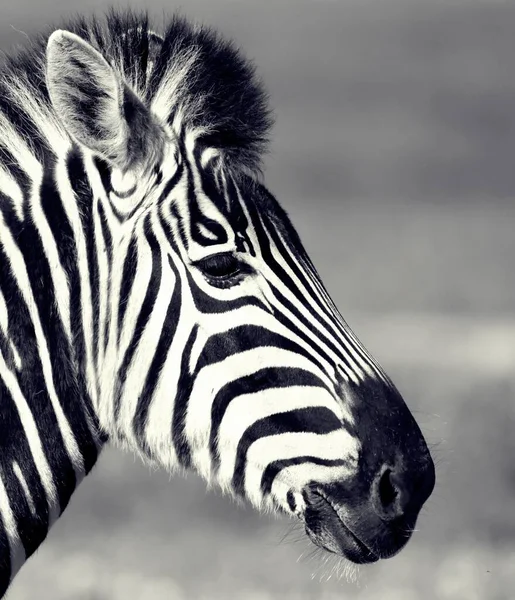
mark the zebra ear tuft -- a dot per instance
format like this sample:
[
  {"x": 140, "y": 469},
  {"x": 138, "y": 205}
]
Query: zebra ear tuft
[{"x": 95, "y": 105}]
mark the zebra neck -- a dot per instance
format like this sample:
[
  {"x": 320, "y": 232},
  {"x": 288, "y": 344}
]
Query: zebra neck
[
  {"x": 49, "y": 434},
  {"x": 44, "y": 454},
  {"x": 49, "y": 438}
]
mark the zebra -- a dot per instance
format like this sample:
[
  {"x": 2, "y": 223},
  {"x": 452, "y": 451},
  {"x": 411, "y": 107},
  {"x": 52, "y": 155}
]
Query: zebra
[{"x": 155, "y": 295}]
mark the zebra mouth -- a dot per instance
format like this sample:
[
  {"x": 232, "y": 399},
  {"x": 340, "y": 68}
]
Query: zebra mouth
[{"x": 326, "y": 529}]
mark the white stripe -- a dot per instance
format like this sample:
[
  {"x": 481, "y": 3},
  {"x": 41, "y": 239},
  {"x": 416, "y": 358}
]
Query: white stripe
[
  {"x": 159, "y": 420},
  {"x": 145, "y": 352},
  {"x": 25, "y": 487},
  {"x": 205, "y": 232},
  {"x": 19, "y": 149},
  {"x": 143, "y": 271},
  {"x": 16, "y": 356},
  {"x": 72, "y": 212},
  {"x": 354, "y": 372},
  {"x": 59, "y": 279},
  {"x": 109, "y": 310},
  {"x": 212, "y": 377},
  {"x": 4, "y": 315},
  {"x": 299, "y": 476},
  {"x": 103, "y": 275},
  {"x": 33, "y": 440},
  {"x": 220, "y": 323},
  {"x": 346, "y": 337},
  {"x": 251, "y": 230},
  {"x": 10, "y": 187},
  {"x": 247, "y": 409},
  {"x": 16, "y": 549},
  {"x": 208, "y": 209},
  {"x": 4, "y": 326},
  {"x": 22, "y": 278},
  {"x": 337, "y": 322},
  {"x": 207, "y": 155},
  {"x": 337, "y": 445}
]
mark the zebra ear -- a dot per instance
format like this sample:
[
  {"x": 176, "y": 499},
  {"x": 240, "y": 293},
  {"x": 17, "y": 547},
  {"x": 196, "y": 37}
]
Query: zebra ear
[{"x": 94, "y": 104}]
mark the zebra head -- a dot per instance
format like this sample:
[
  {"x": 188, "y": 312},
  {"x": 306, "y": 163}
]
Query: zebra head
[{"x": 214, "y": 345}]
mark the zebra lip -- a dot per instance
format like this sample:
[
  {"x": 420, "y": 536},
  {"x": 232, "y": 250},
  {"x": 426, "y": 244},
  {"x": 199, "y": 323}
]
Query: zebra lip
[{"x": 326, "y": 529}]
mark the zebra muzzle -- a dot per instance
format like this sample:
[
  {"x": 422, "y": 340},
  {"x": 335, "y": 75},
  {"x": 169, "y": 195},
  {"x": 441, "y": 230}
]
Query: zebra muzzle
[{"x": 365, "y": 519}]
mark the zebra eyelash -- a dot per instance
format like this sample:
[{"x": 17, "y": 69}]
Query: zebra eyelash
[{"x": 223, "y": 269}]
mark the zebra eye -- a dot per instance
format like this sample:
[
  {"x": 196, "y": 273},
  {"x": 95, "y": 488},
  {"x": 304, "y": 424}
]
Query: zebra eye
[{"x": 221, "y": 266}]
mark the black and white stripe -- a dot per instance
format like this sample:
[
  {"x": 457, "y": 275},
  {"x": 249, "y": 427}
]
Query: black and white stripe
[{"x": 152, "y": 292}]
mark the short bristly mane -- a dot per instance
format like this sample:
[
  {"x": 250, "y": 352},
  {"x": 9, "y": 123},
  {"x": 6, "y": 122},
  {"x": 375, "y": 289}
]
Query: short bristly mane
[{"x": 190, "y": 76}]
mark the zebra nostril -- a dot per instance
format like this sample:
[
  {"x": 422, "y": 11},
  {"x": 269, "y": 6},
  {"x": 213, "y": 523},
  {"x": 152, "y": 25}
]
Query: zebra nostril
[
  {"x": 387, "y": 491},
  {"x": 390, "y": 495}
]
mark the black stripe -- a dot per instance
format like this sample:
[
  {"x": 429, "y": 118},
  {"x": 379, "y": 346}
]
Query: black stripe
[
  {"x": 264, "y": 243},
  {"x": 333, "y": 325},
  {"x": 146, "y": 308},
  {"x": 174, "y": 211},
  {"x": 70, "y": 382},
  {"x": 290, "y": 284},
  {"x": 130, "y": 265},
  {"x": 309, "y": 282},
  {"x": 184, "y": 387},
  {"x": 108, "y": 242},
  {"x": 68, "y": 378},
  {"x": 238, "y": 217},
  {"x": 63, "y": 233},
  {"x": 6, "y": 351},
  {"x": 208, "y": 182},
  {"x": 92, "y": 243},
  {"x": 312, "y": 419},
  {"x": 165, "y": 339},
  {"x": 104, "y": 171},
  {"x": 15, "y": 447},
  {"x": 126, "y": 194},
  {"x": 170, "y": 185},
  {"x": 248, "y": 337},
  {"x": 269, "y": 378},
  {"x": 207, "y": 304},
  {"x": 106, "y": 232},
  {"x": 79, "y": 183},
  {"x": 264, "y": 235},
  {"x": 274, "y": 468},
  {"x": 32, "y": 381},
  {"x": 197, "y": 217},
  {"x": 320, "y": 338}
]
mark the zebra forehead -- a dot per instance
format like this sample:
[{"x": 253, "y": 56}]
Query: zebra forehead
[{"x": 186, "y": 74}]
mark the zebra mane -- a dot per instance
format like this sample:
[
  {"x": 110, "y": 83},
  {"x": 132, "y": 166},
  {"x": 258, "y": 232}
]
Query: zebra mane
[{"x": 190, "y": 75}]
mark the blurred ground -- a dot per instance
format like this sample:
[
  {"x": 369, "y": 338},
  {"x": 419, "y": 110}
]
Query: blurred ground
[{"x": 393, "y": 153}]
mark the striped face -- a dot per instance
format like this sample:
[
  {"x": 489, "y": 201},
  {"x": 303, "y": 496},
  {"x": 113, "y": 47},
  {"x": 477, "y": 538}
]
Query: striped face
[
  {"x": 247, "y": 355},
  {"x": 218, "y": 348},
  {"x": 244, "y": 370}
]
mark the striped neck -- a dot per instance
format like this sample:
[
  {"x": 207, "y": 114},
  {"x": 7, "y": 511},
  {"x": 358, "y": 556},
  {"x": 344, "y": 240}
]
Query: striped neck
[{"x": 49, "y": 438}]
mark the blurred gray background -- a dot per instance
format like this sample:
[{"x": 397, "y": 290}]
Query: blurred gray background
[{"x": 394, "y": 152}]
